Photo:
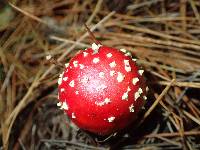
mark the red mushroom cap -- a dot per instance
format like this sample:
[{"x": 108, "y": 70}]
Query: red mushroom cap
[{"x": 102, "y": 89}]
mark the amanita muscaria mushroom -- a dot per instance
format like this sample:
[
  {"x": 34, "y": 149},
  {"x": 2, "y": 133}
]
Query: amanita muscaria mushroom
[{"x": 102, "y": 89}]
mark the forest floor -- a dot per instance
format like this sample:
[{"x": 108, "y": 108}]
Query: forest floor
[{"x": 164, "y": 35}]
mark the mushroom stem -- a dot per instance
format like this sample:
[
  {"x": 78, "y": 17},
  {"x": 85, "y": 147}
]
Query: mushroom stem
[{"x": 92, "y": 35}]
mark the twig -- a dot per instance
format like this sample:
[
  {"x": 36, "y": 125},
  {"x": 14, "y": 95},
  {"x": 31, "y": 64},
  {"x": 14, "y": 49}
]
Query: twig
[
  {"x": 160, "y": 34},
  {"x": 21, "y": 144},
  {"x": 191, "y": 117},
  {"x": 68, "y": 41},
  {"x": 195, "y": 10},
  {"x": 185, "y": 90},
  {"x": 28, "y": 14},
  {"x": 92, "y": 35},
  {"x": 186, "y": 133},
  {"x": 72, "y": 143},
  {"x": 23, "y": 102},
  {"x": 74, "y": 45},
  {"x": 182, "y": 84},
  {"x": 97, "y": 8},
  {"x": 157, "y": 101}
]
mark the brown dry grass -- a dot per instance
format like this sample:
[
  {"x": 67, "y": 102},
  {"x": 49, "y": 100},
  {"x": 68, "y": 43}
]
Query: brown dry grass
[{"x": 163, "y": 34}]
